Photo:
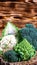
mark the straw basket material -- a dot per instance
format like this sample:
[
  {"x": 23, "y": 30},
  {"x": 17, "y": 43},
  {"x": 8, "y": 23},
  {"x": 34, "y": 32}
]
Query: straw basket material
[{"x": 18, "y": 14}]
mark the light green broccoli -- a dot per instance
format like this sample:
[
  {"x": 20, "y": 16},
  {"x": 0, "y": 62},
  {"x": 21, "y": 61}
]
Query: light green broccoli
[{"x": 25, "y": 50}]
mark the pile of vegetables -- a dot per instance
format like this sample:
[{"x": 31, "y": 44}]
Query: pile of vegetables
[
  {"x": 18, "y": 44},
  {"x": 9, "y": 37}
]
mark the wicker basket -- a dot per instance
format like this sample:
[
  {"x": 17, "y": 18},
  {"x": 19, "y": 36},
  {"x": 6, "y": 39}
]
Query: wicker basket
[
  {"x": 18, "y": 15},
  {"x": 18, "y": 12}
]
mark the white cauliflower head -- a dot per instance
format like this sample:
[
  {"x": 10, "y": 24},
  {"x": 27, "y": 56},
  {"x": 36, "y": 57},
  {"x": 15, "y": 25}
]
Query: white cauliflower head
[{"x": 8, "y": 41}]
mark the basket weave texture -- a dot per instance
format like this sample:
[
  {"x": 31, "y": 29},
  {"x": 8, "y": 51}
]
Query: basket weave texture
[{"x": 20, "y": 13}]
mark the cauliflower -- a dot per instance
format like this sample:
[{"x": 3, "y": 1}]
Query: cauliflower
[
  {"x": 10, "y": 29},
  {"x": 8, "y": 42}
]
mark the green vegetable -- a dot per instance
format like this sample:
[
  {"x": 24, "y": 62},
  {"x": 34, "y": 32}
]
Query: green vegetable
[
  {"x": 10, "y": 29},
  {"x": 1, "y": 51},
  {"x": 25, "y": 50},
  {"x": 0, "y": 38},
  {"x": 30, "y": 33},
  {"x": 10, "y": 56},
  {"x": 19, "y": 37},
  {"x": 30, "y": 25}
]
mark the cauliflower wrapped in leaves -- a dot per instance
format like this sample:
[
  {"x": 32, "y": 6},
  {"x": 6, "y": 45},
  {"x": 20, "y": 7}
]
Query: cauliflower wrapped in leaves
[{"x": 10, "y": 29}]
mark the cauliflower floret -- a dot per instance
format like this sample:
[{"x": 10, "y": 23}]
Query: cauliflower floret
[{"x": 8, "y": 41}]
